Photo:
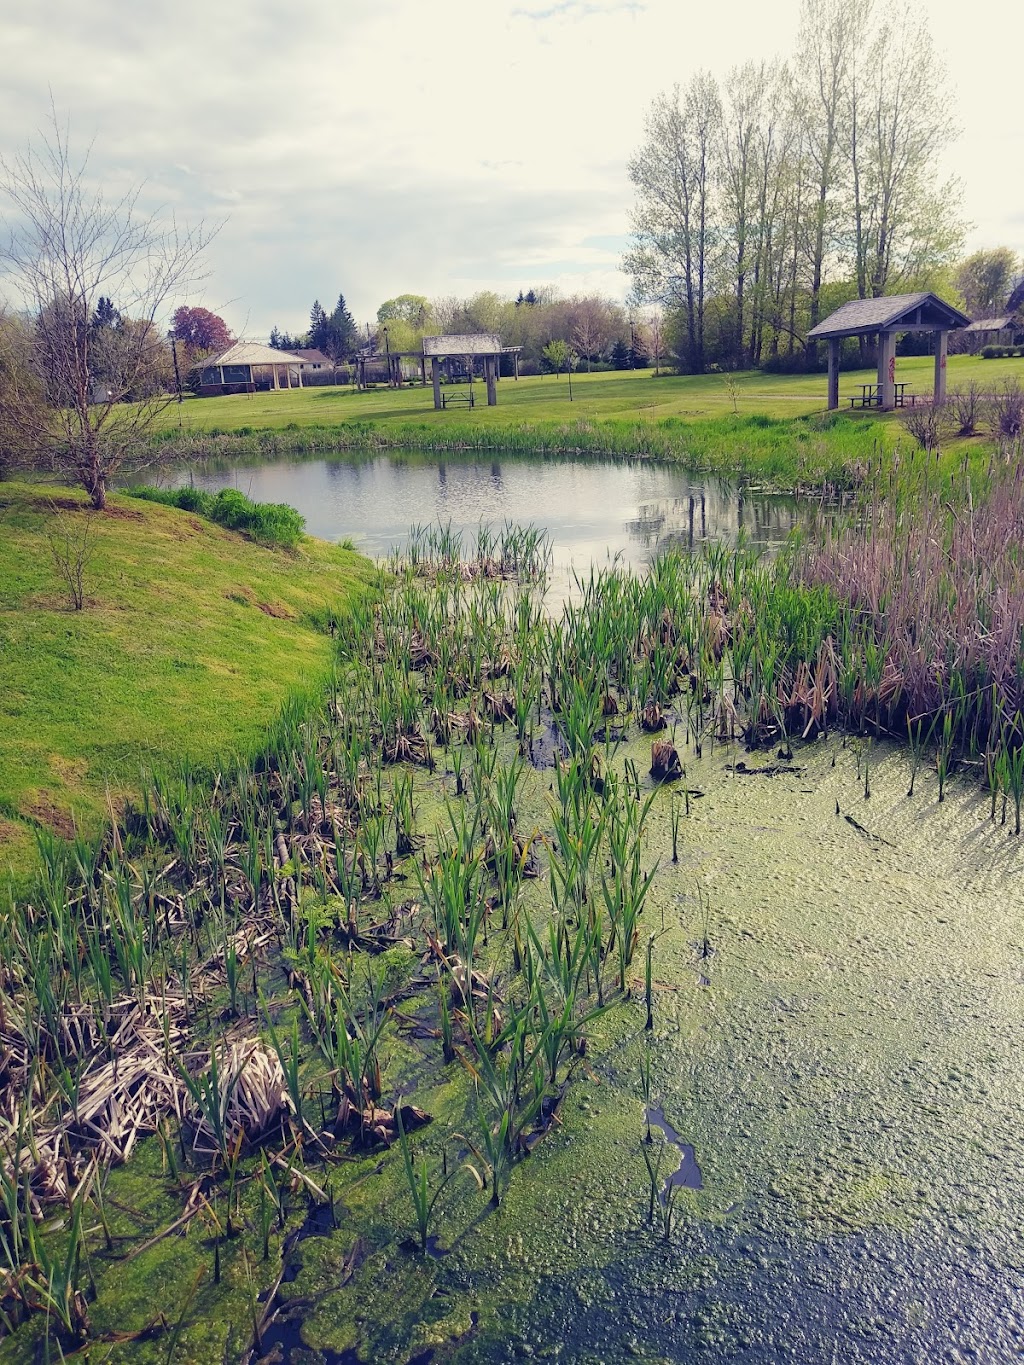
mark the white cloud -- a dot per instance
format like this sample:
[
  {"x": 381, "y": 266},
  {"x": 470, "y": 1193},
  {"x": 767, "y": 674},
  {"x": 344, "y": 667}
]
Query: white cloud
[{"x": 406, "y": 146}]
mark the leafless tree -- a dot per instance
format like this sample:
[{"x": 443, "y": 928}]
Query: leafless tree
[
  {"x": 898, "y": 119},
  {"x": 66, "y": 247},
  {"x": 590, "y": 322},
  {"x": 71, "y": 549},
  {"x": 673, "y": 220},
  {"x": 830, "y": 31},
  {"x": 967, "y": 406}
]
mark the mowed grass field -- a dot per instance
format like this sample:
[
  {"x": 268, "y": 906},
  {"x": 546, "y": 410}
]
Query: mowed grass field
[
  {"x": 191, "y": 640},
  {"x": 629, "y": 395}
]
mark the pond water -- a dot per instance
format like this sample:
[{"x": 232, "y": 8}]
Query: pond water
[{"x": 592, "y": 509}]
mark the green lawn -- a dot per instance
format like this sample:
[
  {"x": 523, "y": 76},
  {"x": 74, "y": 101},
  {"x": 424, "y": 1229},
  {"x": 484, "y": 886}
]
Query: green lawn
[
  {"x": 191, "y": 640},
  {"x": 623, "y": 395}
]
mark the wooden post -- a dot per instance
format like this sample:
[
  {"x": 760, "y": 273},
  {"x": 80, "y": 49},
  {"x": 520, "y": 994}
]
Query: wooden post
[
  {"x": 435, "y": 374},
  {"x": 939, "y": 390},
  {"x": 887, "y": 369},
  {"x": 833, "y": 373},
  {"x": 517, "y": 364},
  {"x": 490, "y": 362},
  {"x": 277, "y": 384}
]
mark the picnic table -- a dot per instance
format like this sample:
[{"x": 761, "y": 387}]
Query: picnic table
[
  {"x": 447, "y": 399},
  {"x": 870, "y": 396}
]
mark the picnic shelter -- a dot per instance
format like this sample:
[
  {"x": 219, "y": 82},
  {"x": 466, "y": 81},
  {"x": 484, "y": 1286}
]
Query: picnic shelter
[{"x": 888, "y": 317}]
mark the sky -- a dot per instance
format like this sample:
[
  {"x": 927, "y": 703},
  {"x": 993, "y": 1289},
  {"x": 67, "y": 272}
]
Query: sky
[{"x": 376, "y": 147}]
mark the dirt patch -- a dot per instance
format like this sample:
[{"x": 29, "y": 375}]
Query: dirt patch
[
  {"x": 276, "y": 610},
  {"x": 9, "y": 831},
  {"x": 48, "y": 503},
  {"x": 123, "y": 513},
  {"x": 46, "y": 813}
]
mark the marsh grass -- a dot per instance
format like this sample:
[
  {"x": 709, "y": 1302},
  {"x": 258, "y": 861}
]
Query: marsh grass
[{"x": 122, "y": 1004}]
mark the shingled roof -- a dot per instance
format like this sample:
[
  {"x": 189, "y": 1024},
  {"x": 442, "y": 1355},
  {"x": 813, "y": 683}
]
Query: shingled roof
[
  {"x": 890, "y": 312},
  {"x": 991, "y": 324},
  {"x": 252, "y": 353}
]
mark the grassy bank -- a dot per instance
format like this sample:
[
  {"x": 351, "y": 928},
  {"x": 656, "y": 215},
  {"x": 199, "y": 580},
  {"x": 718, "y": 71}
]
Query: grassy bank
[
  {"x": 770, "y": 428},
  {"x": 190, "y": 640}
]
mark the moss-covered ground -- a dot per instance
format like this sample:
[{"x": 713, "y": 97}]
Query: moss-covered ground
[{"x": 843, "y": 1061}]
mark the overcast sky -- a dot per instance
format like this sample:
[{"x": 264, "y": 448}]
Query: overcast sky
[{"x": 384, "y": 146}]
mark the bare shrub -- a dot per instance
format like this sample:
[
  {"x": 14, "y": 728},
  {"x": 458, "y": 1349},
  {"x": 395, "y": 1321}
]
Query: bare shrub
[
  {"x": 1008, "y": 411},
  {"x": 927, "y": 425},
  {"x": 968, "y": 408},
  {"x": 71, "y": 549}
]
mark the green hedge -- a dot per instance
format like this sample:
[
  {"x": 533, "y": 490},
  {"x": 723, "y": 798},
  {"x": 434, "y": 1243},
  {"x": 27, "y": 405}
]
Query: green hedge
[{"x": 272, "y": 523}]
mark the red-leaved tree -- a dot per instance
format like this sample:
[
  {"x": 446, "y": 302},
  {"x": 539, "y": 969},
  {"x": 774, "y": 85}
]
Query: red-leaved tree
[{"x": 199, "y": 330}]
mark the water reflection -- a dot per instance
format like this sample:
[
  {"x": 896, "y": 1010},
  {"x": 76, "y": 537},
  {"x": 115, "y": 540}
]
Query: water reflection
[{"x": 595, "y": 510}]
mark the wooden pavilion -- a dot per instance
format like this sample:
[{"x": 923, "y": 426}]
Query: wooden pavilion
[
  {"x": 441, "y": 351},
  {"x": 247, "y": 366},
  {"x": 888, "y": 317}
]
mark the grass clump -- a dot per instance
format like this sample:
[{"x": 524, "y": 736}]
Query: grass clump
[{"x": 270, "y": 523}]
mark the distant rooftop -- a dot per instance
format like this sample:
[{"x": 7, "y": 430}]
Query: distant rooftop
[{"x": 990, "y": 324}]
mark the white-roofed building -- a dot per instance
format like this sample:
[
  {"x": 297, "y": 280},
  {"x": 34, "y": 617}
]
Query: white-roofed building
[{"x": 248, "y": 366}]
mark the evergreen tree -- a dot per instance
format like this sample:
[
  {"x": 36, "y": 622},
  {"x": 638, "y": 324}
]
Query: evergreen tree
[
  {"x": 106, "y": 315},
  {"x": 275, "y": 339},
  {"x": 620, "y": 355},
  {"x": 340, "y": 333},
  {"x": 319, "y": 328}
]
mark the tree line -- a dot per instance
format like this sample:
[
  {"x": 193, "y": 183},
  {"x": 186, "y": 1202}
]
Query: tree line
[
  {"x": 334, "y": 334},
  {"x": 766, "y": 199}
]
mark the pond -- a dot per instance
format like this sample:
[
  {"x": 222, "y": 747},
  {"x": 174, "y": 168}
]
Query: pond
[{"x": 594, "y": 510}]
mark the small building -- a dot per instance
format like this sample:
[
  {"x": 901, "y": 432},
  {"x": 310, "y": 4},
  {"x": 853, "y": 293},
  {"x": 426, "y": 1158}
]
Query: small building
[
  {"x": 248, "y": 367},
  {"x": 312, "y": 359},
  {"x": 888, "y": 317},
  {"x": 997, "y": 331}
]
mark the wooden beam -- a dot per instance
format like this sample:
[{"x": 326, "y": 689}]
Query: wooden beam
[
  {"x": 887, "y": 370},
  {"x": 833, "y": 373},
  {"x": 939, "y": 388}
]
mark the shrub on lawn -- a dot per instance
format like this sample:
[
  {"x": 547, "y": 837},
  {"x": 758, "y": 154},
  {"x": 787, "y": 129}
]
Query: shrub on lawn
[{"x": 271, "y": 523}]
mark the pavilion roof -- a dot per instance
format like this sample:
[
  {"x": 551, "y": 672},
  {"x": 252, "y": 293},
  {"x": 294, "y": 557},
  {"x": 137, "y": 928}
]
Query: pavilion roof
[
  {"x": 467, "y": 343},
  {"x": 253, "y": 353},
  {"x": 889, "y": 312},
  {"x": 991, "y": 324}
]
